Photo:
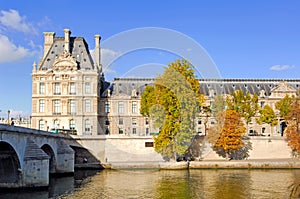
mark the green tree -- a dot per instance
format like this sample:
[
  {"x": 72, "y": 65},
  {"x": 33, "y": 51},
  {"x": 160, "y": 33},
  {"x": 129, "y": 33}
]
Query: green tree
[
  {"x": 284, "y": 106},
  {"x": 147, "y": 101},
  {"x": 218, "y": 105},
  {"x": 245, "y": 104},
  {"x": 268, "y": 116},
  {"x": 176, "y": 92},
  {"x": 217, "y": 108},
  {"x": 233, "y": 129}
]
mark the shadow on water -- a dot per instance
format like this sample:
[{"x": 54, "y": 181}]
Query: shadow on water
[{"x": 58, "y": 186}]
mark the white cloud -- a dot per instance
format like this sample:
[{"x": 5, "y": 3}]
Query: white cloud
[
  {"x": 12, "y": 19},
  {"x": 281, "y": 67},
  {"x": 10, "y": 52}
]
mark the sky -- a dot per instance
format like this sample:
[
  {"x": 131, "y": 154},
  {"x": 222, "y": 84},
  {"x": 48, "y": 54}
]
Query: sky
[{"x": 243, "y": 39}]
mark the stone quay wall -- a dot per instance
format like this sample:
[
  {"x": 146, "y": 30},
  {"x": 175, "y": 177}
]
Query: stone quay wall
[{"x": 128, "y": 149}]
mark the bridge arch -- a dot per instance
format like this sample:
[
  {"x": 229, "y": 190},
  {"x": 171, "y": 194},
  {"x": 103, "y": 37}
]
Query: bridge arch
[
  {"x": 52, "y": 161},
  {"x": 9, "y": 164}
]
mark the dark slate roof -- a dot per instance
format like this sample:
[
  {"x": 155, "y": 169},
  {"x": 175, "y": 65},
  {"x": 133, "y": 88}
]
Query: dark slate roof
[
  {"x": 219, "y": 86},
  {"x": 78, "y": 49},
  {"x": 253, "y": 86},
  {"x": 127, "y": 85}
]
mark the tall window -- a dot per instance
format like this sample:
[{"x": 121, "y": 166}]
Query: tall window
[
  {"x": 199, "y": 130},
  {"x": 107, "y": 107},
  {"x": 134, "y": 107},
  {"x": 133, "y": 130},
  {"x": 121, "y": 107},
  {"x": 107, "y": 130},
  {"x": 146, "y": 121},
  {"x": 42, "y": 106},
  {"x": 72, "y": 124},
  {"x": 121, "y": 121},
  {"x": 72, "y": 88},
  {"x": 147, "y": 131},
  {"x": 72, "y": 106},
  {"x": 41, "y": 125},
  {"x": 42, "y": 88},
  {"x": 87, "y": 105},
  {"x": 56, "y": 106},
  {"x": 121, "y": 130},
  {"x": 262, "y": 104},
  {"x": 57, "y": 88},
  {"x": 55, "y": 124},
  {"x": 87, "y": 125},
  {"x": 134, "y": 121},
  {"x": 199, "y": 121},
  {"x": 87, "y": 87}
]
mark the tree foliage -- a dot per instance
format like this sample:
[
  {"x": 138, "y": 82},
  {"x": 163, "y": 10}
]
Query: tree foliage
[
  {"x": 268, "y": 116},
  {"x": 245, "y": 104},
  {"x": 218, "y": 105},
  {"x": 284, "y": 106},
  {"x": 233, "y": 129},
  {"x": 293, "y": 130},
  {"x": 176, "y": 92}
]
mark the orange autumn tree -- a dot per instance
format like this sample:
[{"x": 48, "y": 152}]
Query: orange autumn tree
[
  {"x": 293, "y": 130},
  {"x": 233, "y": 129}
]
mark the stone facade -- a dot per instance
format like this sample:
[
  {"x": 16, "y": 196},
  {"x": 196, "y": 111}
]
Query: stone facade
[
  {"x": 66, "y": 85},
  {"x": 117, "y": 103},
  {"x": 69, "y": 91}
]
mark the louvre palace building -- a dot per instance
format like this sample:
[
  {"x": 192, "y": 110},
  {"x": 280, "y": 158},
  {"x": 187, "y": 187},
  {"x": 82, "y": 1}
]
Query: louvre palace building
[{"x": 69, "y": 92}]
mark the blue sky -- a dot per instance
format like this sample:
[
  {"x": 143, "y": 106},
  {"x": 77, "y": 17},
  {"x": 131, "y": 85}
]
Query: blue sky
[{"x": 245, "y": 39}]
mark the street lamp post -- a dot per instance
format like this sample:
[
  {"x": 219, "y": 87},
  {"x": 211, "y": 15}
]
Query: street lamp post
[{"x": 8, "y": 112}]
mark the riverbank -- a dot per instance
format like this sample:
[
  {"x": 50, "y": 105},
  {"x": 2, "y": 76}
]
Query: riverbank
[{"x": 210, "y": 164}]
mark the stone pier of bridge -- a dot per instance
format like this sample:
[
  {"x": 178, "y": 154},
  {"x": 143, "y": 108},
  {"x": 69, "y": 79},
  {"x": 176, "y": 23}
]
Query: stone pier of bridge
[{"x": 28, "y": 156}]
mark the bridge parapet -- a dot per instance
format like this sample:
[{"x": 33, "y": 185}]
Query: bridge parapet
[{"x": 31, "y": 156}]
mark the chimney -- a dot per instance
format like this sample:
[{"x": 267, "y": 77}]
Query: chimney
[
  {"x": 48, "y": 41},
  {"x": 67, "y": 40},
  {"x": 97, "y": 52}
]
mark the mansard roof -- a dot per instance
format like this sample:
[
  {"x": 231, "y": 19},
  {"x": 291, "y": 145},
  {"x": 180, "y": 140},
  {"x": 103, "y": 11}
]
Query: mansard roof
[
  {"x": 78, "y": 49},
  {"x": 207, "y": 86}
]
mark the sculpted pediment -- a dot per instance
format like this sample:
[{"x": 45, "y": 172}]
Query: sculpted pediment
[
  {"x": 65, "y": 62},
  {"x": 283, "y": 89}
]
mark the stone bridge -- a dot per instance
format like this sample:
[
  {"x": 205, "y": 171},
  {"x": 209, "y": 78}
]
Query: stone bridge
[{"x": 28, "y": 156}]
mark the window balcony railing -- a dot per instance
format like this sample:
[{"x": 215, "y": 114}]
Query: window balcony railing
[
  {"x": 57, "y": 93},
  {"x": 72, "y": 93},
  {"x": 56, "y": 113}
]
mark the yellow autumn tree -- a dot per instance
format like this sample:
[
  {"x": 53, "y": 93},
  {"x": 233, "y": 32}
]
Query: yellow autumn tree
[
  {"x": 172, "y": 104},
  {"x": 233, "y": 129}
]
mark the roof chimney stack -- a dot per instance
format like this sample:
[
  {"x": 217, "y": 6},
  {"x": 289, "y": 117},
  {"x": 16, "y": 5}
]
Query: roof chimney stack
[
  {"x": 48, "y": 41},
  {"x": 67, "y": 40},
  {"x": 97, "y": 52}
]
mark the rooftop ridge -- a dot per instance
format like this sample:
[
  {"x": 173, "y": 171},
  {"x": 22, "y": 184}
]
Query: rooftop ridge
[{"x": 217, "y": 79}]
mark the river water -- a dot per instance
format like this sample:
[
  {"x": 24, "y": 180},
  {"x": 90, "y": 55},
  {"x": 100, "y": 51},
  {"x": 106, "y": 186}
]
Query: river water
[{"x": 173, "y": 184}]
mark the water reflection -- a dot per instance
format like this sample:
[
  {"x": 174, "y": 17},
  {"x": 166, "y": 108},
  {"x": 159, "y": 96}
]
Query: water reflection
[
  {"x": 58, "y": 187},
  {"x": 189, "y": 184},
  {"x": 210, "y": 183}
]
